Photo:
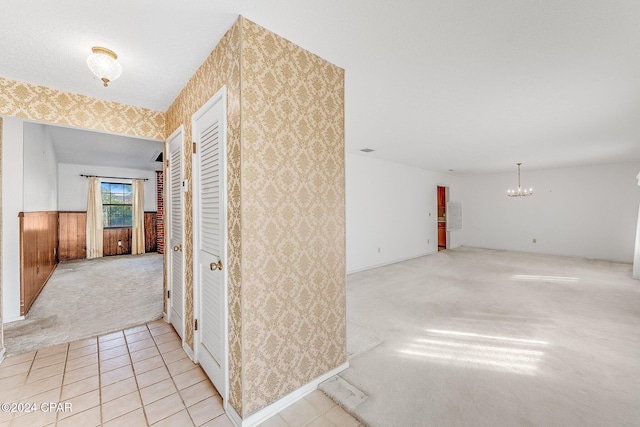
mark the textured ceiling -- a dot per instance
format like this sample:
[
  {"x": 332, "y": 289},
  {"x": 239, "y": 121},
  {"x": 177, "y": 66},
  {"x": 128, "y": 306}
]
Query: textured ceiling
[{"x": 473, "y": 86}]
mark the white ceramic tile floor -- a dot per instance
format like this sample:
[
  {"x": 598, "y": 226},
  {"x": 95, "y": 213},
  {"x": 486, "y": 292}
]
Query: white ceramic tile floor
[{"x": 136, "y": 377}]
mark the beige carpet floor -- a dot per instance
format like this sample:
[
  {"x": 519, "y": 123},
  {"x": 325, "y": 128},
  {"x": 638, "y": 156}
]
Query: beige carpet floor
[
  {"x": 85, "y": 298},
  {"x": 475, "y": 337}
]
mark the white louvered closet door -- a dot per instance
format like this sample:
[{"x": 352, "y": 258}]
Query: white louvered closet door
[
  {"x": 210, "y": 230},
  {"x": 176, "y": 299}
]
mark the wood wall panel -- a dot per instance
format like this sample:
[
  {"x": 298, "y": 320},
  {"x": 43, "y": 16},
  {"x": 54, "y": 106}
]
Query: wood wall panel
[
  {"x": 73, "y": 231},
  {"x": 73, "y": 235},
  {"x": 38, "y": 254},
  {"x": 112, "y": 237},
  {"x": 150, "y": 232}
]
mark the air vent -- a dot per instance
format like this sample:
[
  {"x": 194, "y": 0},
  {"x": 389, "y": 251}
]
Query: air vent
[{"x": 367, "y": 150}]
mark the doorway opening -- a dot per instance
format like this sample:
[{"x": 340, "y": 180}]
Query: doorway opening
[
  {"x": 443, "y": 197},
  {"x": 52, "y": 293}
]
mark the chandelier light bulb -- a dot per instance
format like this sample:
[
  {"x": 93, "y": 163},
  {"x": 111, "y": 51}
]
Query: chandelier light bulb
[
  {"x": 104, "y": 65},
  {"x": 519, "y": 191}
]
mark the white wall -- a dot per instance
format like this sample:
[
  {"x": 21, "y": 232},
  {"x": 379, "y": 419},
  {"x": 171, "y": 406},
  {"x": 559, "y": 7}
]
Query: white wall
[
  {"x": 387, "y": 208},
  {"x": 72, "y": 194},
  {"x": 586, "y": 212},
  {"x": 12, "y": 204},
  {"x": 40, "y": 169}
]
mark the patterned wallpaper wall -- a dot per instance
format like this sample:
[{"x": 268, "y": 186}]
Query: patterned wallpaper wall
[
  {"x": 221, "y": 68},
  {"x": 293, "y": 217},
  {"x": 40, "y": 103},
  {"x": 286, "y": 254},
  {"x": 286, "y": 321},
  {"x": 1, "y": 325}
]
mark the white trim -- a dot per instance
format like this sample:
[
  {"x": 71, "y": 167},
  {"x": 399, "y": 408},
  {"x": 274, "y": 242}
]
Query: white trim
[
  {"x": 371, "y": 267},
  {"x": 282, "y": 403},
  {"x": 233, "y": 416},
  {"x": 2, "y": 353},
  {"x": 165, "y": 316},
  {"x": 188, "y": 350},
  {"x": 221, "y": 96},
  {"x": 168, "y": 249},
  {"x": 12, "y": 319}
]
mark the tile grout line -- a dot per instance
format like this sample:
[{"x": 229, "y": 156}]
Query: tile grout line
[
  {"x": 24, "y": 384},
  {"x": 135, "y": 377},
  {"x": 99, "y": 377},
  {"x": 64, "y": 373},
  {"x": 171, "y": 376}
]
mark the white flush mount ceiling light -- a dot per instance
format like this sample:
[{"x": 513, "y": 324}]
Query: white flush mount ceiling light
[
  {"x": 520, "y": 192},
  {"x": 103, "y": 63}
]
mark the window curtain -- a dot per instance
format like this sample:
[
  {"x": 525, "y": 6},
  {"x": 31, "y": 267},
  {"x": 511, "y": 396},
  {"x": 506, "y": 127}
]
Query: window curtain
[
  {"x": 94, "y": 219},
  {"x": 137, "y": 233}
]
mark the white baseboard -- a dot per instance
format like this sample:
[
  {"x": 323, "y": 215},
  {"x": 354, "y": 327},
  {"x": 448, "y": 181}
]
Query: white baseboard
[
  {"x": 12, "y": 319},
  {"x": 188, "y": 350},
  {"x": 371, "y": 267},
  {"x": 282, "y": 403},
  {"x": 2, "y": 352},
  {"x": 233, "y": 415}
]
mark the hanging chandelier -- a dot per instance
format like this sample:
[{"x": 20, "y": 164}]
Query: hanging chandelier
[{"x": 519, "y": 192}]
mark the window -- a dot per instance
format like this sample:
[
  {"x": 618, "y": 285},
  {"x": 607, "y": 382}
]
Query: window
[{"x": 116, "y": 205}]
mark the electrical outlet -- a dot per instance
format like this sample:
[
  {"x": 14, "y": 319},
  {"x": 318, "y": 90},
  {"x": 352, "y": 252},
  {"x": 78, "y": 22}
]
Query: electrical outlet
[
  {"x": 534, "y": 240},
  {"x": 119, "y": 242}
]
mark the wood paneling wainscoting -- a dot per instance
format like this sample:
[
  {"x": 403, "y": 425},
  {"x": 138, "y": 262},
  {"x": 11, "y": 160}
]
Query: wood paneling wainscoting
[
  {"x": 116, "y": 241},
  {"x": 73, "y": 236},
  {"x": 150, "y": 232},
  {"x": 47, "y": 237},
  {"x": 38, "y": 254}
]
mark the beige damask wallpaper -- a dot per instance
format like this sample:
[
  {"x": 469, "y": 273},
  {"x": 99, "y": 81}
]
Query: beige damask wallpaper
[
  {"x": 40, "y": 103},
  {"x": 221, "y": 68},
  {"x": 1, "y": 325},
  {"x": 286, "y": 254},
  {"x": 293, "y": 220}
]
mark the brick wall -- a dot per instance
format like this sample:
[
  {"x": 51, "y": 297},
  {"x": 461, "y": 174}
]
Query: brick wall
[{"x": 160, "y": 219}]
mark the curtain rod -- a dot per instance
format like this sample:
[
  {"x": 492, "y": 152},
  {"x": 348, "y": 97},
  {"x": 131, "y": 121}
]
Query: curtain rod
[{"x": 111, "y": 177}]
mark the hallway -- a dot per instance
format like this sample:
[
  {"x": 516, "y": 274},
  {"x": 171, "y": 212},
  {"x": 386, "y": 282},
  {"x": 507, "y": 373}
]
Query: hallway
[{"x": 133, "y": 378}]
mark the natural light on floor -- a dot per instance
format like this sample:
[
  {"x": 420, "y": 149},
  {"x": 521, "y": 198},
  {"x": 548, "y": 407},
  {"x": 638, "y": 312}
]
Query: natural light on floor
[
  {"x": 468, "y": 349},
  {"x": 527, "y": 278}
]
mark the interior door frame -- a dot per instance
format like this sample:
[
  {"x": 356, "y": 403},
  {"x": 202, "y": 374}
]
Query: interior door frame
[
  {"x": 167, "y": 223},
  {"x": 446, "y": 220},
  {"x": 221, "y": 95}
]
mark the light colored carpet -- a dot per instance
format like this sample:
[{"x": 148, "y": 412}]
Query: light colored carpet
[
  {"x": 473, "y": 337},
  {"x": 85, "y": 298}
]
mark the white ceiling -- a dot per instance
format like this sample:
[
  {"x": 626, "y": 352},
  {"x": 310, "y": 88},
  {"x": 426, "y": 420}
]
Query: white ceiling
[
  {"x": 83, "y": 147},
  {"x": 473, "y": 86}
]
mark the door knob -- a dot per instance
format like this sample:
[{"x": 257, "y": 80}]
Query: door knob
[
  {"x": 177, "y": 248},
  {"x": 216, "y": 265}
]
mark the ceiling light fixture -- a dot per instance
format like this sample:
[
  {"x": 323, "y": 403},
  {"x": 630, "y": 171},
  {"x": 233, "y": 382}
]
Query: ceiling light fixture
[
  {"x": 520, "y": 192},
  {"x": 103, "y": 63}
]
